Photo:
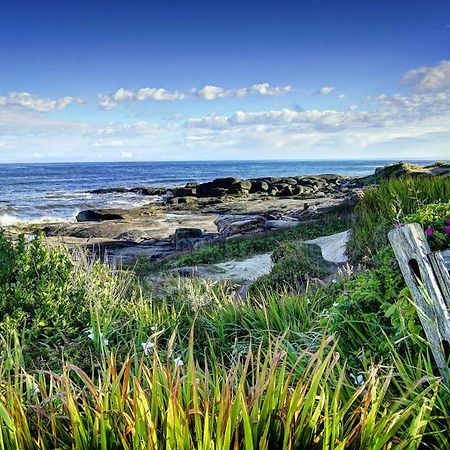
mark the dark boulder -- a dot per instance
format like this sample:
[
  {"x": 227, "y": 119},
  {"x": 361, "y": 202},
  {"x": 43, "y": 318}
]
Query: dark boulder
[
  {"x": 184, "y": 191},
  {"x": 116, "y": 190},
  {"x": 241, "y": 187},
  {"x": 181, "y": 200},
  {"x": 99, "y": 215},
  {"x": 185, "y": 238},
  {"x": 225, "y": 183},
  {"x": 258, "y": 186},
  {"x": 210, "y": 190},
  {"x": 149, "y": 190}
]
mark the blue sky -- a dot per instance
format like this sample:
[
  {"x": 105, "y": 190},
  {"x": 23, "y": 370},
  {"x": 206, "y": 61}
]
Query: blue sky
[{"x": 179, "y": 80}]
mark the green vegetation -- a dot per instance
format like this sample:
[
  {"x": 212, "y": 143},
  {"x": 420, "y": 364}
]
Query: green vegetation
[
  {"x": 435, "y": 220},
  {"x": 295, "y": 263},
  {"x": 388, "y": 204},
  {"x": 95, "y": 358},
  {"x": 245, "y": 247}
]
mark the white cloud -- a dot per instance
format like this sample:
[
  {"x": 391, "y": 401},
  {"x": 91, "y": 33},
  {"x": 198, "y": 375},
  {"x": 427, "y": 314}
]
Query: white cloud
[
  {"x": 429, "y": 79},
  {"x": 325, "y": 90},
  {"x": 208, "y": 92},
  {"x": 212, "y": 92},
  {"x": 36, "y": 103},
  {"x": 270, "y": 91},
  {"x": 126, "y": 155},
  {"x": 109, "y": 143}
]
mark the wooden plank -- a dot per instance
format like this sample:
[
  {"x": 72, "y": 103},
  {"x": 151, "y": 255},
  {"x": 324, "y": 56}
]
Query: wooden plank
[
  {"x": 442, "y": 275},
  {"x": 413, "y": 255},
  {"x": 446, "y": 257}
]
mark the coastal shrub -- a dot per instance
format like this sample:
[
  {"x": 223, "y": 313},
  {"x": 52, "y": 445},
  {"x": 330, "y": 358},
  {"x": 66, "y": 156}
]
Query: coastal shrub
[
  {"x": 372, "y": 312},
  {"x": 383, "y": 206},
  {"x": 37, "y": 289},
  {"x": 295, "y": 264},
  {"x": 52, "y": 298},
  {"x": 435, "y": 220}
]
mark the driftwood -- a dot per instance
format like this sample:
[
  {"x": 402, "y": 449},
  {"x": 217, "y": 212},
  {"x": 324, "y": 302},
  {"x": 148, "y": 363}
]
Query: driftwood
[{"x": 428, "y": 280}]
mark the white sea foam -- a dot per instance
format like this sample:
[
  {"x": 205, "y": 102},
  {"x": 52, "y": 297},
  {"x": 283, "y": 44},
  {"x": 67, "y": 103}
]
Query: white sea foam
[{"x": 8, "y": 220}]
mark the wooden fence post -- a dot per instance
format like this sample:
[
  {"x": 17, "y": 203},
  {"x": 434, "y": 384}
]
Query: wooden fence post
[{"x": 429, "y": 282}]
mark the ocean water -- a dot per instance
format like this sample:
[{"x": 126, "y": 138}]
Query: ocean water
[{"x": 57, "y": 192}]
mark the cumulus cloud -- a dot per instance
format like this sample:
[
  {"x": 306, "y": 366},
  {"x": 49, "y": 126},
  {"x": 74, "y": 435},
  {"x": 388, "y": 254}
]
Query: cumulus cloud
[
  {"x": 325, "y": 90},
  {"x": 407, "y": 114},
  {"x": 207, "y": 92},
  {"x": 429, "y": 78},
  {"x": 108, "y": 102},
  {"x": 36, "y": 103}
]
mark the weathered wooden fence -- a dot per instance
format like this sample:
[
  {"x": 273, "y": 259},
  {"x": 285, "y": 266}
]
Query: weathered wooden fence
[{"x": 428, "y": 279}]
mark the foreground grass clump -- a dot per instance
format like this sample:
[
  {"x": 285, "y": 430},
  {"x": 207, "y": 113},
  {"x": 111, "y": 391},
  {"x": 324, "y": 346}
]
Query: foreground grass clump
[
  {"x": 261, "y": 402},
  {"x": 388, "y": 204}
]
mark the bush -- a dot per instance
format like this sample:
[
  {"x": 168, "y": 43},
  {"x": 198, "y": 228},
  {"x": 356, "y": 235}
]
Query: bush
[
  {"x": 435, "y": 220},
  {"x": 390, "y": 203},
  {"x": 295, "y": 263},
  {"x": 373, "y": 312}
]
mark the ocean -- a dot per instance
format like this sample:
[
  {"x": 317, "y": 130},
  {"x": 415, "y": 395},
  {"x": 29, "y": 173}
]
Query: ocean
[{"x": 57, "y": 192}]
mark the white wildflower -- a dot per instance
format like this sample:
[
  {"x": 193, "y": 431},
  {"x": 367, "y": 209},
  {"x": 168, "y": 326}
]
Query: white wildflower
[
  {"x": 147, "y": 346},
  {"x": 153, "y": 328},
  {"x": 90, "y": 333},
  {"x": 335, "y": 304},
  {"x": 359, "y": 379},
  {"x": 178, "y": 362}
]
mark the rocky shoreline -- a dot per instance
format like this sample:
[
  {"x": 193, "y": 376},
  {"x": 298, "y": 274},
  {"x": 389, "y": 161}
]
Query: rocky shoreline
[{"x": 182, "y": 218}]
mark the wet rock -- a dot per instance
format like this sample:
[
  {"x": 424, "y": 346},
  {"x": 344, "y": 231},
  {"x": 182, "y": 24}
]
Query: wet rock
[
  {"x": 210, "y": 190},
  {"x": 258, "y": 186},
  {"x": 118, "y": 190},
  {"x": 133, "y": 236},
  {"x": 230, "y": 225},
  {"x": 184, "y": 238},
  {"x": 100, "y": 215},
  {"x": 281, "y": 223},
  {"x": 287, "y": 191},
  {"x": 181, "y": 200},
  {"x": 184, "y": 192},
  {"x": 149, "y": 190},
  {"x": 225, "y": 183},
  {"x": 241, "y": 187}
]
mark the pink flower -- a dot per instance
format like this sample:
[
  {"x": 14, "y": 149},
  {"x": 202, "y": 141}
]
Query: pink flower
[
  {"x": 447, "y": 229},
  {"x": 429, "y": 231},
  {"x": 397, "y": 225}
]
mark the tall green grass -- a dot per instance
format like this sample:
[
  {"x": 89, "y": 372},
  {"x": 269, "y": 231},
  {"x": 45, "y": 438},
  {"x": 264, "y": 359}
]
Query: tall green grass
[
  {"x": 261, "y": 402},
  {"x": 387, "y": 204}
]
